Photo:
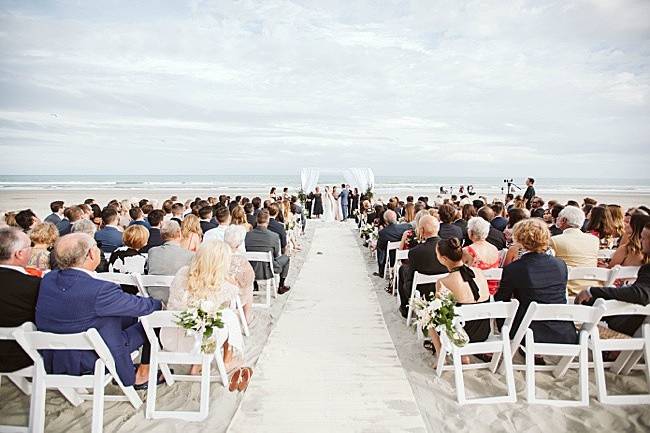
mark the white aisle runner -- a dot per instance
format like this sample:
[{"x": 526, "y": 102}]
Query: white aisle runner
[{"x": 330, "y": 365}]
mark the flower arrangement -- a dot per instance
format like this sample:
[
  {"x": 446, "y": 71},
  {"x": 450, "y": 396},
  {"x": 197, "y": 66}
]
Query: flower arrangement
[
  {"x": 289, "y": 225},
  {"x": 200, "y": 322},
  {"x": 412, "y": 238},
  {"x": 302, "y": 196},
  {"x": 439, "y": 314},
  {"x": 369, "y": 231},
  {"x": 369, "y": 194}
]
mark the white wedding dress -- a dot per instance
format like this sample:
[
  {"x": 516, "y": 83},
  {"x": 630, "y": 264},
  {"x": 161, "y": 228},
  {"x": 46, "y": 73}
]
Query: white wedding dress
[{"x": 328, "y": 206}]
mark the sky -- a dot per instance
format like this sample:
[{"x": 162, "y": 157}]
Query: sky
[{"x": 506, "y": 88}]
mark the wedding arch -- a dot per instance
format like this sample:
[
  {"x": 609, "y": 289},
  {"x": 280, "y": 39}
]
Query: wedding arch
[{"x": 362, "y": 178}]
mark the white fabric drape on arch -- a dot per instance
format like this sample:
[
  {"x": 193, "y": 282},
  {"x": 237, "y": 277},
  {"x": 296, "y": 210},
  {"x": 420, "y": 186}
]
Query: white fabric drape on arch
[
  {"x": 309, "y": 179},
  {"x": 362, "y": 178}
]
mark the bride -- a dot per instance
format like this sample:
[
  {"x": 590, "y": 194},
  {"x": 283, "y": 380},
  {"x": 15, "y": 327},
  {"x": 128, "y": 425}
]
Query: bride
[{"x": 328, "y": 205}]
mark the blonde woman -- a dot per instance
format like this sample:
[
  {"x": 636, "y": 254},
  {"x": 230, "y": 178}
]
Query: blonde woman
[
  {"x": 191, "y": 233},
  {"x": 205, "y": 279},
  {"x": 125, "y": 218},
  {"x": 238, "y": 218},
  {"x": 43, "y": 236}
]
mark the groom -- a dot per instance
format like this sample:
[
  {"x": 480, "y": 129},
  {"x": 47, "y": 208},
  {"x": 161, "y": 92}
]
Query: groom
[{"x": 345, "y": 193}]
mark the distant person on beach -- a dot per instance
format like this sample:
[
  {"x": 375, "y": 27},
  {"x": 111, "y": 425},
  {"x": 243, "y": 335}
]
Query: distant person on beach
[{"x": 530, "y": 192}]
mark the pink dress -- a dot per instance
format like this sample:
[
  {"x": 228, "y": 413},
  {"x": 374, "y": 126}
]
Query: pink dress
[{"x": 493, "y": 285}]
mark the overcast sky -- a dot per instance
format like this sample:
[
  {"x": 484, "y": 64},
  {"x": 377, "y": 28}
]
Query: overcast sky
[{"x": 541, "y": 88}]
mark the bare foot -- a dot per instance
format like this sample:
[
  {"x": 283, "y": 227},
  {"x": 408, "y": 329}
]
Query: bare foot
[{"x": 196, "y": 370}]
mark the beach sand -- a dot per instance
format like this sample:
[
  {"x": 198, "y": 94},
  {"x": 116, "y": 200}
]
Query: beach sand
[{"x": 39, "y": 200}]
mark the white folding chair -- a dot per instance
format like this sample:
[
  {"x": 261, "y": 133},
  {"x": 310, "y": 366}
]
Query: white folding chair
[
  {"x": 242, "y": 317},
  {"x": 162, "y": 358},
  {"x": 270, "y": 283},
  {"x": 144, "y": 281},
  {"x": 624, "y": 273},
  {"x": 588, "y": 316},
  {"x": 592, "y": 274},
  {"x": 32, "y": 342},
  {"x": 18, "y": 377},
  {"x": 605, "y": 254},
  {"x": 399, "y": 256},
  {"x": 495, "y": 344},
  {"x": 419, "y": 279},
  {"x": 118, "y": 278},
  {"x": 631, "y": 350},
  {"x": 493, "y": 274},
  {"x": 388, "y": 268}
]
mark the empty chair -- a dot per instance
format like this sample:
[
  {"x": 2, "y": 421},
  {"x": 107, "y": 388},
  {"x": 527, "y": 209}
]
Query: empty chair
[
  {"x": 495, "y": 344},
  {"x": 631, "y": 350},
  {"x": 145, "y": 281},
  {"x": 271, "y": 283},
  {"x": 418, "y": 279},
  {"x": 104, "y": 373},
  {"x": 587, "y": 316}
]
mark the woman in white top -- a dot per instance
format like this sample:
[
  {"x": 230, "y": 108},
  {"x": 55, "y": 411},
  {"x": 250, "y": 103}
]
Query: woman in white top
[{"x": 205, "y": 279}]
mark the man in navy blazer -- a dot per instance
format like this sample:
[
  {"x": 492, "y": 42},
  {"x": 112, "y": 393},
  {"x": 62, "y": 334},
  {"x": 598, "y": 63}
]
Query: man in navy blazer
[
  {"x": 277, "y": 227},
  {"x": 72, "y": 300},
  {"x": 110, "y": 237},
  {"x": 391, "y": 233}
]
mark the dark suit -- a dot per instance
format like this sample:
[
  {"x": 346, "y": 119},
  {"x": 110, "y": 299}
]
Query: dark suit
[
  {"x": 261, "y": 239},
  {"x": 500, "y": 223},
  {"x": 155, "y": 240},
  {"x": 636, "y": 293},
  {"x": 555, "y": 230},
  {"x": 277, "y": 227},
  {"x": 19, "y": 293},
  {"x": 423, "y": 259},
  {"x": 448, "y": 231},
  {"x": 496, "y": 238},
  {"x": 528, "y": 196},
  {"x": 208, "y": 225},
  {"x": 109, "y": 238},
  {"x": 390, "y": 233},
  {"x": 64, "y": 226},
  {"x": 71, "y": 301},
  {"x": 144, "y": 224},
  {"x": 537, "y": 213},
  {"x": 540, "y": 278},
  {"x": 251, "y": 219},
  {"x": 177, "y": 219},
  {"x": 53, "y": 218},
  {"x": 462, "y": 224}
]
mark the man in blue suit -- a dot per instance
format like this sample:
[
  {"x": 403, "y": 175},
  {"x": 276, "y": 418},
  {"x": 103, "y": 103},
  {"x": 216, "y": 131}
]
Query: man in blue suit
[
  {"x": 345, "y": 194},
  {"x": 72, "y": 300},
  {"x": 110, "y": 237},
  {"x": 391, "y": 233}
]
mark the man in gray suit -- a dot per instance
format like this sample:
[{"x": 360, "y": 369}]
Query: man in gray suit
[
  {"x": 261, "y": 239},
  {"x": 345, "y": 194},
  {"x": 168, "y": 258}
]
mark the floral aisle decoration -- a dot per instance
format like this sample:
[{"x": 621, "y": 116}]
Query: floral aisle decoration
[
  {"x": 200, "y": 322},
  {"x": 440, "y": 315}
]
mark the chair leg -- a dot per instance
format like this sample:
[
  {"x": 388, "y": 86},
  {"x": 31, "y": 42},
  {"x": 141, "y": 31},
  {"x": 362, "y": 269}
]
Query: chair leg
[
  {"x": 72, "y": 396},
  {"x": 599, "y": 367},
  {"x": 530, "y": 367},
  {"x": 98, "y": 398},
  {"x": 584, "y": 369},
  {"x": 507, "y": 365},
  {"x": 205, "y": 387},
  {"x": 646, "y": 353},
  {"x": 242, "y": 316},
  {"x": 37, "y": 406},
  {"x": 22, "y": 384},
  {"x": 152, "y": 390},
  {"x": 458, "y": 377},
  {"x": 634, "y": 359},
  {"x": 268, "y": 293},
  {"x": 410, "y": 307},
  {"x": 440, "y": 363},
  {"x": 221, "y": 367}
]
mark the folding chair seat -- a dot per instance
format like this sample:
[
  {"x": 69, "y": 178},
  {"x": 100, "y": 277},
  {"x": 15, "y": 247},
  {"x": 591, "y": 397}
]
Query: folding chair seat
[
  {"x": 588, "y": 317},
  {"x": 271, "y": 283},
  {"x": 73, "y": 387},
  {"x": 495, "y": 344}
]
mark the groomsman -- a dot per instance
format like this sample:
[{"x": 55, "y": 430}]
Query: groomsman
[{"x": 345, "y": 193}]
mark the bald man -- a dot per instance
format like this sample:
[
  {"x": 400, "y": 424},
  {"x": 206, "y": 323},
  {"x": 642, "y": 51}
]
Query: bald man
[
  {"x": 72, "y": 300},
  {"x": 423, "y": 259},
  {"x": 391, "y": 233}
]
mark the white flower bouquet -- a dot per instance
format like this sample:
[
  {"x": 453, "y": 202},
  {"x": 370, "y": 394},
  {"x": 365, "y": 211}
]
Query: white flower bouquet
[
  {"x": 200, "y": 322},
  {"x": 439, "y": 314},
  {"x": 369, "y": 231}
]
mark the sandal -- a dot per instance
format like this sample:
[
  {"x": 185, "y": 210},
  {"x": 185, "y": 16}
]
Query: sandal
[
  {"x": 244, "y": 379},
  {"x": 428, "y": 345},
  {"x": 234, "y": 380}
]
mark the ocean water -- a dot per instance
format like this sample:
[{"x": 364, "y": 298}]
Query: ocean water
[{"x": 255, "y": 183}]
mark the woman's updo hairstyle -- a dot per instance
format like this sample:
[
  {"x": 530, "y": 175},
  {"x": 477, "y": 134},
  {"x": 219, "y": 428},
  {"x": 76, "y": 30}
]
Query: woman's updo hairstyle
[{"x": 451, "y": 249}]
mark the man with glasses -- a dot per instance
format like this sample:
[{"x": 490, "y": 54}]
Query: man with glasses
[
  {"x": 537, "y": 208},
  {"x": 19, "y": 292}
]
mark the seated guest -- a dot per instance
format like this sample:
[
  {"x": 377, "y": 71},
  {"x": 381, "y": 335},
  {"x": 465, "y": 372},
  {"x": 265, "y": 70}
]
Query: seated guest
[
  {"x": 537, "y": 208},
  {"x": 631, "y": 252},
  {"x": 204, "y": 279},
  {"x": 448, "y": 230},
  {"x": 57, "y": 213},
  {"x": 26, "y": 220},
  {"x": 125, "y": 218},
  {"x": 138, "y": 218},
  {"x": 636, "y": 293},
  {"x": 205, "y": 213},
  {"x": 250, "y": 214},
  {"x": 238, "y": 218},
  {"x": 601, "y": 225},
  {"x": 391, "y": 233},
  {"x": 88, "y": 227},
  {"x": 110, "y": 237},
  {"x": 515, "y": 215},
  {"x": 555, "y": 213},
  {"x": 70, "y": 216},
  {"x": 155, "y": 218},
  {"x": 241, "y": 272},
  {"x": 261, "y": 239},
  {"x": 575, "y": 248},
  {"x": 191, "y": 233},
  {"x": 223, "y": 218},
  {"x": 495, "y": 237},
  {"x": 71, "y": 300},
  {"x": 467, "y": 285},
  {"x": 128, "y": 259},
  {"x": 499, "y": 222},
  {"x": 422, "y": 259},
  {"x": 177, "y": 212},
  {"x": 276, "y": 226},
  {"x": 19, "y": 293},
  {"x": 297, "y": 209},
  {"x": 537, "y": 277},
  {"x": 43, "y": 237},
  {"x": 481, "y": 254},
  {"x": 167, "y": 258},
  {"x": 467, "y": 212}
]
